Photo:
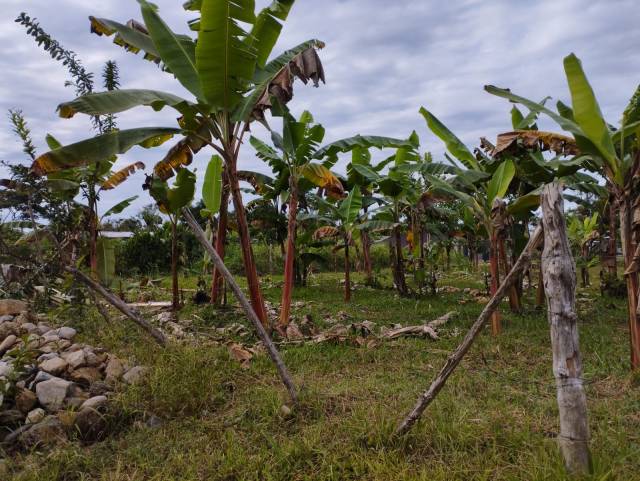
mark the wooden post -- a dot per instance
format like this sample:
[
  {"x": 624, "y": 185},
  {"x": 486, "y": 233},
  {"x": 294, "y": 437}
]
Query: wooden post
[
  {"x": 560, "y": 289},
  {"x": 454, "y": 359},
  {"x": 244, "y": 302}
]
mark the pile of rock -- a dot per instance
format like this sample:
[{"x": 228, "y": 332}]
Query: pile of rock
[{"x": 50, "y": 386}]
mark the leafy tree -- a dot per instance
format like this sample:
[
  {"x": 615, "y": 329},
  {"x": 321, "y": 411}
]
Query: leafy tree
[
  {"x": 611, "y": 152},
  {"x": 228, "y": 73}
]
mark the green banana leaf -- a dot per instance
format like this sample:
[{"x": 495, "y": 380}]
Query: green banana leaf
[
  {"x": 114, "y": 101},
  {"x": 500, "y": 181},
  {"x": 453, "y": 143},
  {"x": 106, "y": 260},
  {"x": 100, "y": 148},
  {"x": 212, "y": 187},
  {"x": 177, "y": 54},
  {"x": 224, "y": 63}
]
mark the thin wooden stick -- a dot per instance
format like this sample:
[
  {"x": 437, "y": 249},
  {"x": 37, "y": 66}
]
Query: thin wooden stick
[
  {"x": 246, "y": 305},
  {"x": 454, "y": 359},
  {"x": 118, "y": 303}
]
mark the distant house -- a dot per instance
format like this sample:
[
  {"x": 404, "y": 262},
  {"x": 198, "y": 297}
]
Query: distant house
[{"x": 112, "y": 234}]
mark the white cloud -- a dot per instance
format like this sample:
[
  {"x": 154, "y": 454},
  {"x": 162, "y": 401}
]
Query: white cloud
[{"x": 383, "y": 60}]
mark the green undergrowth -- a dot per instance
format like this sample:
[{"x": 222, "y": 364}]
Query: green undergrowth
[{"x": 200, "y": 416}]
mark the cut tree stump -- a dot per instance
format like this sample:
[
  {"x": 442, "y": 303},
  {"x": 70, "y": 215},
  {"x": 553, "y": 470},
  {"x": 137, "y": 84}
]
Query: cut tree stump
[{"x": 559, "y": 275}]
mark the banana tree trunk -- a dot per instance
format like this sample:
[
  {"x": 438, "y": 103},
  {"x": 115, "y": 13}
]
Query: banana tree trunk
[
  {"x": 540, "y": 289},
  {"x": 245, "y": 242},
  {"x": 93, "y": 231},
  {"x": 496, "y": 325},
  {"x": 398, "y": 268},
  {"x": 347, "y": 271},
  {"x": 221, "y": 239},
  {"x": 514, "y": 298},
  {"x": 584, "y": 269},
  {"x": 366, "y": 253},
  {"x": 631, "y": 275},
  {"x": 287, "y": 290},
  {"x": 175, "y": 293},
  {"x": 612, "y": 247}
]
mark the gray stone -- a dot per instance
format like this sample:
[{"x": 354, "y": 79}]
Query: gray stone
[
  {"x": 47, "y": 356},
  {"x": 90, "y": 424},
  {"x": 85, "y": 375},
  {"x": 12, "y": 307},
  {"x": 114, "y": 369},
  {"x": 43, "y": 328},
  {"x": 8, "y": 328},
  {"x": 35, "y": 416},
  {"x": 8, "y": 343},
  {"x": 134, "y": 375},
  {"x": 54, "y": 366},
  {"x": 98, "y": 388},
  {"x": 22, "y": 318},
  {"x": 91, "y": 358},
  {"x": 47, "y": 432},
  {"x": 74, "y": 347},
  {"x": 29, "y": 327},
  {"x": 6, "y": 318},
  {"x": 50, "y": 337},
  {"x": 94, "y": 402},
  {"x": 6, "y": 368},
  {"x": 41, "y": 376},
  {"x": 10, "y": 417},
  {"x": 51, "y": 393},
  {"x": 66, "y": 332},
  {"x": 75, "y": 358},
  {"x": 26, "y": 400}
]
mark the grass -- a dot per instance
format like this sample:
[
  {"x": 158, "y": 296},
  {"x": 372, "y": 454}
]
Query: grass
[{"x": 496, "y": 419}]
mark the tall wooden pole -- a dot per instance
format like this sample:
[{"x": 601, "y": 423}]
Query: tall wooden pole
[{"x": 560, "y": 289}]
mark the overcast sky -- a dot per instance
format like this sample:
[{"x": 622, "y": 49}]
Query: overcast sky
[{"x": 383, "y": 60}]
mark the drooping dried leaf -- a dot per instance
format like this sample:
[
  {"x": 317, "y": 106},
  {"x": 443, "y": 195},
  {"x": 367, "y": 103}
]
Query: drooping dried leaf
[
  {"x": 325, "y": 231},
  {"x": 500, "y": 219},
  {"x": 305, "y": 66},
  {"x": 120, "y": 176},
  {"x": 133, "y": 36},
  {"x": 512, "y": 142},
  {"x": 181, "y": 154}
]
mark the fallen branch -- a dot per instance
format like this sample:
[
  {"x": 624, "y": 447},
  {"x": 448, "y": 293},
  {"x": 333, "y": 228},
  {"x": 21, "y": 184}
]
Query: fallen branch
[
  {"x": 244, "y": 302},
  {"x": 454, "y": 359},
  {"x": 118, "y": 303},
  {"x": 422, "y": 330}
]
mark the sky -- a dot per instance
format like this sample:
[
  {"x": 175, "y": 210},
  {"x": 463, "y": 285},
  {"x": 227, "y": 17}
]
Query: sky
[{"x": 383, "y": 60}]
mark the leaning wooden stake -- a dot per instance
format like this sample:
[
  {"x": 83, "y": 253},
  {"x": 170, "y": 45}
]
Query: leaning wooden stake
[
  {"x": 454, "y": 359},
  {"x": 118, "y": 303},
  {"x": 560, "y": 289},
  {"x": 244, "y": 302}
]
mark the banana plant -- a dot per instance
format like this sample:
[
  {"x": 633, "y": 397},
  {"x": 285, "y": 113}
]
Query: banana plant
[
  {"x": 482, "y": 187},
  {"x": 582, "y": 234},
  {"x": 341, "y": 221},
  {"x": 613, "y": 153},
  {"x": 227, "y": 71},
  {"x": 170, "y": 201},
  {"x": 296, "y": 163}
]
